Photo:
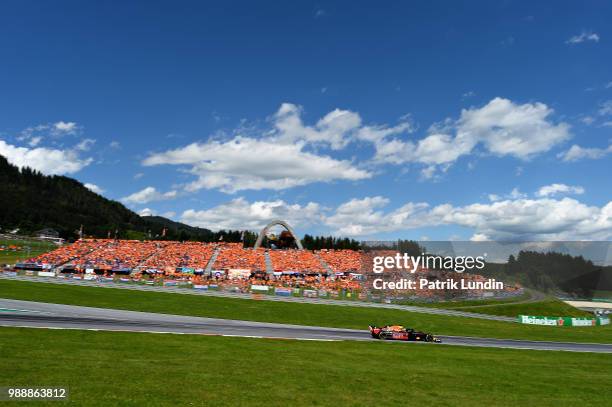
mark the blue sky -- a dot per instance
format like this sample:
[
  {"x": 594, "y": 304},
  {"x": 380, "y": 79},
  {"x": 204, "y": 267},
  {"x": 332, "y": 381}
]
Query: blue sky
[{"x": 436, "y": 120}]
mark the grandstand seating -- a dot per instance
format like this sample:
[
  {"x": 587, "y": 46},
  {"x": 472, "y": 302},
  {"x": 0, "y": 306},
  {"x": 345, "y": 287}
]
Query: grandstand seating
[{"x": 295, "y": 260}]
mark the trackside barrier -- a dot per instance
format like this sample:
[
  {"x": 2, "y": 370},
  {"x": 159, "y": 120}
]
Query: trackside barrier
[
  {"x": 563, "y": 321},
  {"x": 286, "y": 292},
  {"x": 261, "y": 289}
]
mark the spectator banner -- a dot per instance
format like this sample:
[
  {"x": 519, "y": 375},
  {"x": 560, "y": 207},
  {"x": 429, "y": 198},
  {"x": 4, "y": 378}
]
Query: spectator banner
[
  {"x": 310, "y": 293},
  {"x": 286, "y": 292},
  {"x": 259, "y": 288},
  {"x": 168, "y": 283},
  {"x": 200, "y": 287},
  {"x": 46, "y": 274},
  {"x": 238, "y": 273},
  {"x": 562, "y": 321}
]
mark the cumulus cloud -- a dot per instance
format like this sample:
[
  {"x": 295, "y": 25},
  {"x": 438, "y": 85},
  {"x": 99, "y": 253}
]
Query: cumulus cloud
[
  {"x": 148, "y": 194},
  {"x": 359, "y": 217},
  {"x": 46, "y": 160},
  {"x": 583, "y": 37},
  {"x": 576, "y": 153},
  {"x": 94, "y": 188},
  {"x": 62, "y": 127},
  {"x": 247, "y": 163},
  {"x": 288, "y": 153},
  {"x": 510, "y": 219},
  {"x": 240, "y": 214},
  {"x": 501, "y": 126},
  {"x": 559, "y": 189},
  {"x": 519, "y": 219}
]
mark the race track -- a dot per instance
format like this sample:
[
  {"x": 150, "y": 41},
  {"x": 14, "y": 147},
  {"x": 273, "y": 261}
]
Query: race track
[{"x": 57, "y": 316}]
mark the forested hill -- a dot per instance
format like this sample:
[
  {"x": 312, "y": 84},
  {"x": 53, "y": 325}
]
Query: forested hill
[
  {"x": 31, "y": 201},
  {"x": 553, "y": 272}
]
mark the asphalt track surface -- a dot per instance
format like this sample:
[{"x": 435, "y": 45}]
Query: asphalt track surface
[
  {"x": 15, "y": 313},
  {"x": 226, "y": 294}
]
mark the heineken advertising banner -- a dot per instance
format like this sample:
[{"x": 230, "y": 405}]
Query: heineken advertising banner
[{"x": 562, "y": 321}]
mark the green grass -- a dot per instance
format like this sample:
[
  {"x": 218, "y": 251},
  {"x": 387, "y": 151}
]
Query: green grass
[
  {"x": 549, "y": 307},
  {"x": 104, "y": 368},
  {"x": 451, "y": 304},
  {"x": 291, "y": 313}
]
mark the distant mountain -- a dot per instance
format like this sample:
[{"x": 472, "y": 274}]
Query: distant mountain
[{"x": 32, "y": 201}]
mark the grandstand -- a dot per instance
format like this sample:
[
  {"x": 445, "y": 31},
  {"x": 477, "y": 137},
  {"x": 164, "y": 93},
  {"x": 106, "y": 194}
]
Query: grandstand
[{"x": 228, "y": 264}]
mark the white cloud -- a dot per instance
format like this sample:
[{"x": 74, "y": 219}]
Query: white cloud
[
  {"x": 558, "y": 189},
  {"x": 510, "y": 219},
  {"x": 532, "y": 219},
  {"x": 506, "y": 128},
  {"x": 115, "y": 145},
  {"x": 501, "y": 127},
  {"x": 147, "y": 212},
  {"x": 240, "y": 214},
  {"x": 62, "y": 127},
  {"x": 246, "y": 163},
  {"x": 94, "y": 188},
  {"x": 588, "y": 120},
  {"x": 334, "y": 129},
  {"x": 582, "y": 37},
  {"x": 283, "y": 156},
  {"x": 45, "y": 160},
  {"x": 169, "y": 214},
  {"x": 85, "y": 144},
  {"x": 576, "y": 153},
  {"x": 148, "y": 194},
  {"x": 34, "y": 141},
  {"x": 605, "y": 109},
  {"x": 518, "y": 219}
]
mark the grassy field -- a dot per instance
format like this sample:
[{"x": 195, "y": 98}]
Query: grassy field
[
  {"x": 291, "y": 313},
  {"x": 26, "y": 249},
  {"x": 451, "y": 304},
  {"x": 102, "y": 368},
  {"x": 548, "y": 307}
]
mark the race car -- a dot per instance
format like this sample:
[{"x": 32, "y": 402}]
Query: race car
[{"x": 401, "y": 333}]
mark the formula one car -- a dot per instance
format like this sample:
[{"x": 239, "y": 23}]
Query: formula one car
[{"x": 400, "y": 333}]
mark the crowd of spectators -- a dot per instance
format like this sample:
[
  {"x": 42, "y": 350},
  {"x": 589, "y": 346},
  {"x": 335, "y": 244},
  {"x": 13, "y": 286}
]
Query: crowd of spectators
[
  {"x": 125, "y": 254},
  {"x": 181, "y": 254},
  {"x": 67, "y": 253},
  {"x": 187, "y": 261},
  {"x": 234, "y": 256},
  {"x": 295, "y": 260},
  {"x": 342, "y": 260}
]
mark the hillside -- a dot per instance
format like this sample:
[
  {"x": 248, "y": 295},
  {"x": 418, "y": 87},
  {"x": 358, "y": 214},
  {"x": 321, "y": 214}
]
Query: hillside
[
  {"x": 31, "y": 201},
  {"x": 553, "y": 272}
]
